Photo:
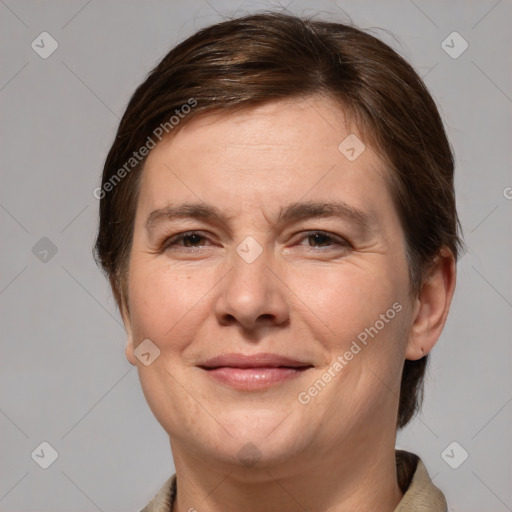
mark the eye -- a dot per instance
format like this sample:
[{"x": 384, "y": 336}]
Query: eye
[
  {"x": 195, "y": 240},
  {"x": 325, "y": 239},
  {"x": 188, "y": 239}
]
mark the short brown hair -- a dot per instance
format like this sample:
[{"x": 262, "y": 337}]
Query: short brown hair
[{"x": 269, "y": 56}]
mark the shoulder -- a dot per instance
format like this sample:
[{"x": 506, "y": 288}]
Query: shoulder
[
  {"x": 164, "y": 498},
  {"x": 420, "y": 494}
]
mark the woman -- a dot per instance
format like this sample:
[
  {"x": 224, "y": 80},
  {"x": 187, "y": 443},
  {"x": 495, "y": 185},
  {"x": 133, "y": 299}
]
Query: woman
[{"x": 278, "y": 225}]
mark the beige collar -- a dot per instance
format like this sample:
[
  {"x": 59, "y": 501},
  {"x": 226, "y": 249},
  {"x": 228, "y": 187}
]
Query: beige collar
[{"x": 420, "y": 494}]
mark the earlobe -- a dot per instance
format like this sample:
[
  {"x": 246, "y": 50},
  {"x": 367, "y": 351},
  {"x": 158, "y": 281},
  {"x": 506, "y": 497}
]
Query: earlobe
[
  {"x": 432, "y": 306},
  {"x": 129, "y": 349},
  {"x": 129, "y": 352}
]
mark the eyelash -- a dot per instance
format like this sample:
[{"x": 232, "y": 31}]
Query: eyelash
[{"x": 174, "y": 240}]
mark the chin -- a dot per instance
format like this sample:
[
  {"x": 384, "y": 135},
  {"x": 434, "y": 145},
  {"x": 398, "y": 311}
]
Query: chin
[{"x": 261, "y": 440}]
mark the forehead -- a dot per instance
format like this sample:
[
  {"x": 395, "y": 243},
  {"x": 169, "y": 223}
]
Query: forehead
[
  {"x": 297, "y": 125},
  {"x": 294, "y": 148}
]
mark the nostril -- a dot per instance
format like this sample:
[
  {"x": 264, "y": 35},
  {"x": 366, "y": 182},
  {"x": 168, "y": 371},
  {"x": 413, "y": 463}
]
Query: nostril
[{"x": 228, "y": 319}]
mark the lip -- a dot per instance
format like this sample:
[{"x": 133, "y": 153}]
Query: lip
[
  {"x": 251, "y": 372},
  {"x": 262, "y": 360}
]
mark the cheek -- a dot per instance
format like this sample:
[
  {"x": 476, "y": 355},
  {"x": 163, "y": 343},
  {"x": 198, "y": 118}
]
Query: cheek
[
  {"x": 165, "y": 302},
  {"x": 349, "y": 298},
  {"x": 364, "y": 313},
  {"x": 168, "y": 306}
]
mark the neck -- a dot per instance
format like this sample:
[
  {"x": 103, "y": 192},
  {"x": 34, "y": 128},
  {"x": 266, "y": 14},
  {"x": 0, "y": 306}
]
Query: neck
[{"x": 356, "y": 477}]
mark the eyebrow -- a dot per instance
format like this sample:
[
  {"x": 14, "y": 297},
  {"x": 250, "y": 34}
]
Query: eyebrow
[{"x": 293, "y": 212}]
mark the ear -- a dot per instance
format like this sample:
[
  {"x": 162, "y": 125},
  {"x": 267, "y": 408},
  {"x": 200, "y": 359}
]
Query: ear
[
  {"x": 125, "y": 314},
  {"x": 432, "y": 306},
  {"x": 129, "y": 336}
]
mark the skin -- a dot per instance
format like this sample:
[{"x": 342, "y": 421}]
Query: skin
[{"x": 301, "y": 297}]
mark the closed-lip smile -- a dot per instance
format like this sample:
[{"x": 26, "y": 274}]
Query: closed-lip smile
[{"x": 252, "y": 372}]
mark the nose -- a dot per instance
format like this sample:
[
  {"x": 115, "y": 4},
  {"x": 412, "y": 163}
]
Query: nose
[{"x": 253, "y": 295}]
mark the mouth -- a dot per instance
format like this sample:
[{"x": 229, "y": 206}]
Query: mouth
[{"x": 253, "y": 372}]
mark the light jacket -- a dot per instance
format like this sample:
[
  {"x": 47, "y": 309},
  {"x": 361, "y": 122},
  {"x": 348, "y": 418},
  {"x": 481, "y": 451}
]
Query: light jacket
[{"x": 420, "y": 494}]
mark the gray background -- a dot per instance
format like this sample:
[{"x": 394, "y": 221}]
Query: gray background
[{"x": 64, "y": 376}]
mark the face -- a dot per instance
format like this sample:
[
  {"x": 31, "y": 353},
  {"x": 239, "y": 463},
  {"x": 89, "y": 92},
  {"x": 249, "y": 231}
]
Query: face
[{"x": 269, "y": 270}]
